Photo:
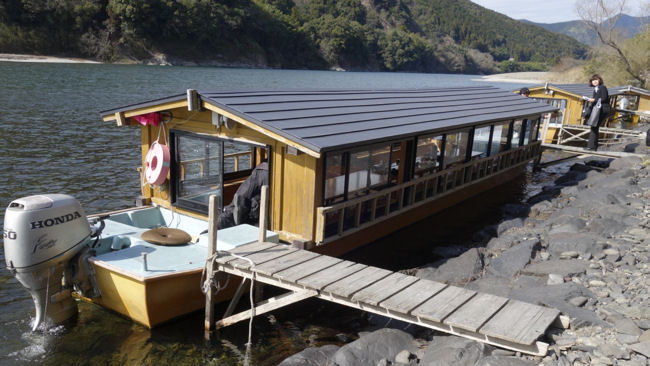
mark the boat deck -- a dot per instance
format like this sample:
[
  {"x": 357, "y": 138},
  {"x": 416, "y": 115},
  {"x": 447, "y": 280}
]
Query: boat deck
[
  {"x": 491, "y": 319},
  {"x": 122, "y": 249}
]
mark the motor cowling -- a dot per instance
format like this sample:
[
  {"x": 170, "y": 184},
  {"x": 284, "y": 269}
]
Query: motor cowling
[{"x": 41, "y": 235}]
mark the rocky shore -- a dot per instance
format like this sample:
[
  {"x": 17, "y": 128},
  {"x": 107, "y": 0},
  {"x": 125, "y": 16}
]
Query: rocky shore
[{"x": 581, "y": 246}]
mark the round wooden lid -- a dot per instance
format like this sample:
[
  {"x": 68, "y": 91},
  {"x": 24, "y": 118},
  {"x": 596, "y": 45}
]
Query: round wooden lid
[{"x": 166, "y": 236}]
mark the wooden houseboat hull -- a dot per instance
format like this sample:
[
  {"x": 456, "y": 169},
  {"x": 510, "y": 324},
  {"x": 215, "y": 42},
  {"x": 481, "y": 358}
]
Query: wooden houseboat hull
[{"x": 369, "y": 234}]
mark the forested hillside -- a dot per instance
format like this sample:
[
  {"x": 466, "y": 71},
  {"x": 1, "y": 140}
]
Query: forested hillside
[{"x": 392, "y": 35}]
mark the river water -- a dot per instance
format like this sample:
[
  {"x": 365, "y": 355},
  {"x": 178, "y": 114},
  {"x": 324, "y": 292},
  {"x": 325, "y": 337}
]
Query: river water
[{"x": 52, "y": 140}]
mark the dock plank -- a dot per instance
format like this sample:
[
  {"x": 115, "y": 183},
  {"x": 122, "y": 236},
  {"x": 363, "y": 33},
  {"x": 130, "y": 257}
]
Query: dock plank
[
  {"x": 413, "y": 296},
  {"x": 520, "y": 322},
  {"x": 383, "y": 289},
  {"x": 305, "y": 269},
  {"x": 245, "y": 250},
  {"x": 356, "y": 281},
  {"x": 262, "y": 257},
  {"x": 476, "y": 312},
  {"x": 444, "y": 303},
  {"x": 332, "y": 274},
  {"x": 286, "y": 261}
]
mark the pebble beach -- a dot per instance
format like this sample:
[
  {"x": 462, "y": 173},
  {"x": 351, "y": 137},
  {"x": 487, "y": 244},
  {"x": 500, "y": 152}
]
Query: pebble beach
[{"x": 581, "y": 246}]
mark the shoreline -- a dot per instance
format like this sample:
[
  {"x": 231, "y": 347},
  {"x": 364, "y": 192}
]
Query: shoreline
[
  {"x": 532, "y": 77},
  {"x": 12, "y": 57},
  {"x": 513, "y": 77}
]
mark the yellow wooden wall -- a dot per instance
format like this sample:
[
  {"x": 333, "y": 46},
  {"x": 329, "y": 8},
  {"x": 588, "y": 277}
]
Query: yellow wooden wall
[{"x": 295, "y": 179}]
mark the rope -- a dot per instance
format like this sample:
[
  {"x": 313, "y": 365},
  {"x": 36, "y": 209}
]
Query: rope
[{"x": 208, "y": 282}]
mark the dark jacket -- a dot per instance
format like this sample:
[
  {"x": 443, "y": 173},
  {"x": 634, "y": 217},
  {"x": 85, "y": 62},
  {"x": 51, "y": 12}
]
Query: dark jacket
[{"x": 602, "y": 94}]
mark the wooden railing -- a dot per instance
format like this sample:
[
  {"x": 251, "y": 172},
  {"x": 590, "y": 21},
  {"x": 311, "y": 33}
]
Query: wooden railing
[
  {"x": 202, "y": 162},
  {"x": 356, "y": 214}
]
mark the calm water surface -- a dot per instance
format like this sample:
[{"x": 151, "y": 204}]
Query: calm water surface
[{"x": 52, "y": 140}]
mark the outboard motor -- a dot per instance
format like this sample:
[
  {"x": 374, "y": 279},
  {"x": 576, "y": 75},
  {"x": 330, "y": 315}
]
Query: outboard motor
[{"x": 42, "y": 234}]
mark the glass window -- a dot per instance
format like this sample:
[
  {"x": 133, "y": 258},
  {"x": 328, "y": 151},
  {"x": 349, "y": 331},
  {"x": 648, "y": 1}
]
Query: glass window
[
  {"x": 198, "y": 161},
  {"x": 557, "y": 116},
  {"x": 628, "y": 102},
  {"x": 395, "y": 156},
  {"x": 481, "y": 144},
  {"x": 237, "y": 157},
  {"x": 517, "y": 133},
  {"x": 368, "y": 168},
  {"x": 531, "y": 131},
  {"x": 358, "y": 177},
  {"x": 379, "y": 166},
  {"x": 456, "y": 147},
  {"x": 500, "y": 138},
  {"x": 427, "y": 155},
  {"x": 335, "y": 167}
]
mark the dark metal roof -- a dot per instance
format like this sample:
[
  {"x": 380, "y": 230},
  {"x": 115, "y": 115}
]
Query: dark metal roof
[
  {"x": 323, "y": 120},
  {"x": 629, "y": 88}
]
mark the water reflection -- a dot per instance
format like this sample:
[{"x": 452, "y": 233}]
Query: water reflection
[{"x": 53, "y": 141}]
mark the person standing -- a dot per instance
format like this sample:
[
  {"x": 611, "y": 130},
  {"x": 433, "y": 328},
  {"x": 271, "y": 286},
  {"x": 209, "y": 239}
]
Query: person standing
[{"x": 600, "y": 110}]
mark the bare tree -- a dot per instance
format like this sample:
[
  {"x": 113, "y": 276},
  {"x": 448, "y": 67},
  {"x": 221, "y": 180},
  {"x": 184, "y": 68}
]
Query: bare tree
[{"x": 601, "y": 17}]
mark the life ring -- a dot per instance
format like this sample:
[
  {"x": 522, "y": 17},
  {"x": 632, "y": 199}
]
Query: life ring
[
  {"x": 166, "y": 236},
  {"x": 156, "y": 165}
]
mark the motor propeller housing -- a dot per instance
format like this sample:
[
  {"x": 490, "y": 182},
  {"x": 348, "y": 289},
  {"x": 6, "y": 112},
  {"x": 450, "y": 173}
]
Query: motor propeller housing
[{"x": 42, "y": 233}]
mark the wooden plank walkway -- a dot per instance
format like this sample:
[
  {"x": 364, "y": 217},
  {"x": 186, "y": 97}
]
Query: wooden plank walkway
[{"x": 491, "y": 319}]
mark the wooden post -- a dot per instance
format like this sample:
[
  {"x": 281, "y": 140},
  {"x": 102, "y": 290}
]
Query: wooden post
[
  {"x": 212, "y": 249},
  {"x": 263, "y": 210}
]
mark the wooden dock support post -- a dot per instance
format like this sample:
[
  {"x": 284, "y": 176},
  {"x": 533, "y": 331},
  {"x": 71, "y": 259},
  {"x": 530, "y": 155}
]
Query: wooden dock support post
[
  {"x": 212, "y": 250},
  {"x": 264, "y": 198}
]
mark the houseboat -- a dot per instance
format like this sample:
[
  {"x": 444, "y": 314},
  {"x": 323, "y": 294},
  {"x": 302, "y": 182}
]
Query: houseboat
[
  {"x": 631, "y": 106},
  {"x": 343, "y": 167}
]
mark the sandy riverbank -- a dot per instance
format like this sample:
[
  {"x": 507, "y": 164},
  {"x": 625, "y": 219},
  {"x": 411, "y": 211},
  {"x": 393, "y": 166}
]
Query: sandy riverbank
[
  {"x": 533, "y": 77},
  {"x": 10, "y": 57}
]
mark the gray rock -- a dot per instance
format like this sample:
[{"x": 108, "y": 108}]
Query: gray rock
[
  {"x": 504, "y": 361},
  {"x": 509, "y": 224},
  {"x": 558, "y": 296},
  {"x": 514, "y": 259},
  {"x": 453, "y": 351},
  {"x": 503, "y": 242},
  {"x": 606, "y": 226},
  {"x": 583, "y": 243},
  {"x": 457, "y": 270},
  {"x": 624, "y": 325},
  {"x": 404, "y": 357},
  {"x": 555, "y": 279},
  {"x": 612, "y": 351},
  {"x": 572, "y": 225},
  {"x": 642, "y": 348},
  {"x": 578, "y": 301},
  {"x": 625, "y": 163},
  {"x": 628, "y": 338},
  {"x": 632, "y": 363},
  {"x": 313, "y": 356},
  {"x": 372, "y": 347},
  {"x": 498, "y": 286},
  {"x": 564, "y": 267}
]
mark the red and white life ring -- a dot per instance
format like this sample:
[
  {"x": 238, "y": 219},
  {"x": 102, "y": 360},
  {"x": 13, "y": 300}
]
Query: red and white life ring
[{"x": 156, "y": 165}]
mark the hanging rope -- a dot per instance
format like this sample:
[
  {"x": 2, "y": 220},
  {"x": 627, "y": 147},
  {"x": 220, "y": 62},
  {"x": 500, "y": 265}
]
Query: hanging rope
[{"x": 207, "y": 282}]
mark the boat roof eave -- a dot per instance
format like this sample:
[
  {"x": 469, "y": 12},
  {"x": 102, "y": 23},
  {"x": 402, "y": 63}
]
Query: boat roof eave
[
  {"x": 137, "y": 109},
  {"x": 261, "y": 127},
  {"x": 437, "y": 130}
]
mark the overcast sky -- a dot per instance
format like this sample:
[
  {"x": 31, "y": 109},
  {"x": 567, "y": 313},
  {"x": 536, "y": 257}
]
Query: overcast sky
[{"x": 545, "y": 11}]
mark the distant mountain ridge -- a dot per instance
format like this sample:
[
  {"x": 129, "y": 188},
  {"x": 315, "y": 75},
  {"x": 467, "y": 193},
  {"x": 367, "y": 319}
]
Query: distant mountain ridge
[
  {"x": 628, "y": 25},
  {"x": 450, "y": 36}
]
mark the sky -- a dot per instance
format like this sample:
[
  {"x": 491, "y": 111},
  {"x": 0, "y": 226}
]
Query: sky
[{"x": 546, "y": 11}]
